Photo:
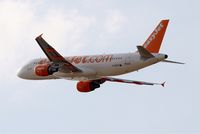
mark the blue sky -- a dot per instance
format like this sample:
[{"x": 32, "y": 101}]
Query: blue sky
[{"x": 82, "y": 27}]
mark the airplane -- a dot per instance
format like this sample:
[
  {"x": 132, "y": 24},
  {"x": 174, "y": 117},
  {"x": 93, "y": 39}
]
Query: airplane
[{"x": 93, "y": 70}]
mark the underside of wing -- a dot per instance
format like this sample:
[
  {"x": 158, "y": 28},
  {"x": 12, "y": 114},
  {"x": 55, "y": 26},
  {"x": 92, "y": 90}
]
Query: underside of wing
[
  {"x": 111, "y": 79},
  {"x": 91, "y": 85}
]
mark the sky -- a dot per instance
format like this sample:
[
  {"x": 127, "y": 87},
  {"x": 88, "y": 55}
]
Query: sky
[{"x": 84, "y": 27}]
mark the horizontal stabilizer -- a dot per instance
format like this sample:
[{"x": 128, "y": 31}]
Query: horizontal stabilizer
[
  {"x": 144, "y": 53},
  {"x": 169, "y": 61}
]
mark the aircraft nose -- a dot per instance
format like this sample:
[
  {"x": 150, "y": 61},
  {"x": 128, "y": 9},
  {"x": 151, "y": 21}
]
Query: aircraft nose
[{"x": 20, "y": 73}]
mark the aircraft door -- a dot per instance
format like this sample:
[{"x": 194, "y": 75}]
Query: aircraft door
[{"x": 127, "y": 61}]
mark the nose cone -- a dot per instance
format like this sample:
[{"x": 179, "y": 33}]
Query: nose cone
[
  {"x": 24, "y": 73},
  {"x": 20, "y": 73}
]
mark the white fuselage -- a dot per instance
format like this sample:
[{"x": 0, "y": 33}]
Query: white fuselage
[{"x": 94, "y": 66}]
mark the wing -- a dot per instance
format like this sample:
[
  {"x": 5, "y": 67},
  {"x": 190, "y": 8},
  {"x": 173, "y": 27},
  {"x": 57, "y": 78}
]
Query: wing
[
  {"x": 55, "y": 57},
  {"x": 131, "y": 81}
]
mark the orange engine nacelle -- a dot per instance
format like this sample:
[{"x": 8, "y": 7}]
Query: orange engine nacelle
[
  {"x": 87, "y": 86},
  {"x": 42, "y": 70}
]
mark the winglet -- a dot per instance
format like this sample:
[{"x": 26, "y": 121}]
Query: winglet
[
  {"x": 40, "y": 36},
  {"x": 163, "y": 84},
  {"x": 153, "y": 43}
]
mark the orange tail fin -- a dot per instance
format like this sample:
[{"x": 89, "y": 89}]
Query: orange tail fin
[{"x": 153, "y": 43}]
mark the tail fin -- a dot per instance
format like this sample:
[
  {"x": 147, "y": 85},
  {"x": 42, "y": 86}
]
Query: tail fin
[{"x": 153, "y": 43}]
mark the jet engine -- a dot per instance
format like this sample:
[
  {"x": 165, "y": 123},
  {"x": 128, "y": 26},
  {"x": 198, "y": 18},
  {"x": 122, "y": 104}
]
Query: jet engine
[
  {"x": 44, "y": 70},
  {"x": 87, "y": 86}
]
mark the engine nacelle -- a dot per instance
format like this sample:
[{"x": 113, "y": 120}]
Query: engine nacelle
[
  {"x": 87, "y": 86},
  {"x": 42, "y": 70},
  {"x": 45, "y": 69}
]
